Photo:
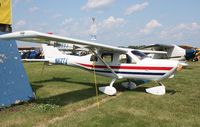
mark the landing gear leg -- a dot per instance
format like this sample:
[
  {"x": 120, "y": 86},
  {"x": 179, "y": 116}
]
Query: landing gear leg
[
  {"x": 158, "y": 90},
  {"x": 109, "y": 90}
]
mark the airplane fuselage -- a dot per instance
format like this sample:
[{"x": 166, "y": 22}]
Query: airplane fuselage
[{"x": 146, "y": 69}]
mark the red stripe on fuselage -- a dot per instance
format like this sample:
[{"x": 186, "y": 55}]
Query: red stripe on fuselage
[{"x": 129, "y": 67}]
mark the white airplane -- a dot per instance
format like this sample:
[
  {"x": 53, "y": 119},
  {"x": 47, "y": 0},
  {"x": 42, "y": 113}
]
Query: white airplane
[
  {"x": 106, "y": 60},
  {"x": 170, "y": 51}
]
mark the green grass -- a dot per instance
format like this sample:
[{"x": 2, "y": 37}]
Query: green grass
[{"x": 66, "y": 97}]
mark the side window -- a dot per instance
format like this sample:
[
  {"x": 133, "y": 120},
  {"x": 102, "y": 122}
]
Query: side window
[
  {"x": 130, "y": 60},
  {"x": 124, "y": 58},
  {"x": 107, "y": 57},
  {"x": 93, "y": 58},
  {"x": 139, "y": 54}
]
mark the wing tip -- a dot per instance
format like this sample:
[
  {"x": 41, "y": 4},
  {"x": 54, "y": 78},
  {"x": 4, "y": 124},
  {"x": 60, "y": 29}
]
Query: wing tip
[{"x": 19, "y": 34}]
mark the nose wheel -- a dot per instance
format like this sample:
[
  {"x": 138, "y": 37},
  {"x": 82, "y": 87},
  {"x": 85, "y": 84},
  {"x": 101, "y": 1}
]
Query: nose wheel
[
  {"x": 158, "y": 90},
  {"x": 129, "y": 85}
]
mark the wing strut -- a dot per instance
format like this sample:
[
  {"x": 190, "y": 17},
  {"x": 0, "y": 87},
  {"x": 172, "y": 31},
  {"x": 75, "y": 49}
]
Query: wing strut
[
  {"x": 109, "y": 90},
  {"x": 116, "y": 76}
]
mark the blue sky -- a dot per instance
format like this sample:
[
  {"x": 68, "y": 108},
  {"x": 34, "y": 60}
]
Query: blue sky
[{"x": 119, "y": 23}]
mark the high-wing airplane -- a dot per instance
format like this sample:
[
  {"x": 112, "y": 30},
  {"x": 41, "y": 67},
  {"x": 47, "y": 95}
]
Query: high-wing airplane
[
  {"x": 172, "y": 52},
  {"x": 105, "y": 60}
]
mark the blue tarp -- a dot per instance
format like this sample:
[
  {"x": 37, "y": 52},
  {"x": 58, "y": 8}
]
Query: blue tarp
[{"x": 14, "y": 84}]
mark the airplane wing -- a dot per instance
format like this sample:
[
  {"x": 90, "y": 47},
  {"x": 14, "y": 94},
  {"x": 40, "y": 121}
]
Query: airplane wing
[
  {"x": 33, "y": 36},
  {"x": 158, "y": 45},
  {"x": 153, "y": 52}
]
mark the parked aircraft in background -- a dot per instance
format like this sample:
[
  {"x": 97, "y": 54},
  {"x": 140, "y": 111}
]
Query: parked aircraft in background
[
  {"x": 106, "y": 60},
  {"x": 192, "y": 53},
  {"x": 172, "y": 52}
]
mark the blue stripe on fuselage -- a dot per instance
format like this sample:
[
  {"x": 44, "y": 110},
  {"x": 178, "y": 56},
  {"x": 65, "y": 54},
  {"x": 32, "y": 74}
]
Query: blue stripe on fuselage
[{"x": 136, "y": 73}]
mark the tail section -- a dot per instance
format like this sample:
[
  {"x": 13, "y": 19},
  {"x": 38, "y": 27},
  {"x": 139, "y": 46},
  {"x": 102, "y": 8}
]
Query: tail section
[
  {"x": 51, "y": 52},
  {"x": 53, "y": 55}
]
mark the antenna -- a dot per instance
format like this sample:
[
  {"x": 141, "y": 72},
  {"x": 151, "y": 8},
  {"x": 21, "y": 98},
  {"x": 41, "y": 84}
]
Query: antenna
[
  {"x": 93, "y": 19},
  {"x": 93, "y": 29}
]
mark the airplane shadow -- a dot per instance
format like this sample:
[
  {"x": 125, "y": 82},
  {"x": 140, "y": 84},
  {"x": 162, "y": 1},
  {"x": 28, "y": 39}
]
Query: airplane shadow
[
  {"x": 79, "y": 95},
  {"x": 65, "y": 80},
  {"x": 68, "y": 98},
  {"x": 35, "y": 87},
  {"x": 143, "y": 89},
  {"x": 189, "y": 68}
]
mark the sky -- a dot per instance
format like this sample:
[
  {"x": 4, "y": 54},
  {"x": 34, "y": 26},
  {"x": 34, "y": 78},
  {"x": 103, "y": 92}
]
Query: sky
[{"x": 117, "y": 22}]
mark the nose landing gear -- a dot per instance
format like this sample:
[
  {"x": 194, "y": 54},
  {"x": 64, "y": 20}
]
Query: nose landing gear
[{"x": 158, "y": 90}]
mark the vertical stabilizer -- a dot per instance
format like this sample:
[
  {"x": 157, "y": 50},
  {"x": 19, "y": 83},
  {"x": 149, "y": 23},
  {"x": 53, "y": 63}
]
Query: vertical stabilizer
[{"x": 51, "y": 52}]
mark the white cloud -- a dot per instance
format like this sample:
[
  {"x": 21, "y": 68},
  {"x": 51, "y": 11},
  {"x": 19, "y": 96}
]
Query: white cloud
[
  {"x": 135, "y": 8},
  {"x": 170, "y": 34},
  {"x": 84, "y": 28},
  {"x": 33, "y": 9},
  {"x": 192, "y": 26},
  {"x": 20, "y": 24},
  {"x": 67, "y": 21},
  {"x": 18, "y": 1},
  {"x": 57, "y": 16},
  {"x": 112, "y": 21},
  {"x": 181, "y": 30},
  {"x": 150, "y": 26},
  {"x": 70, "y": 27},
  {"x": 97, "y": 4},
  {"x": 153, "y": 24},
  {"x": 15, "y": 2}
]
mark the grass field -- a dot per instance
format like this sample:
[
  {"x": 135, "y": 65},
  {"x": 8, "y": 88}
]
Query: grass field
[{"x": 66, "y": 97}]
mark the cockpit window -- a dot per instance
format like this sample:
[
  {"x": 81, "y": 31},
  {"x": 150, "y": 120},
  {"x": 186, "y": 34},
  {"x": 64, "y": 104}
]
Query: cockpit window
[
  {"x": 93, "y": 58},
  {"x": 107, "y": 57},
  {"x": 139, "y": 54}
]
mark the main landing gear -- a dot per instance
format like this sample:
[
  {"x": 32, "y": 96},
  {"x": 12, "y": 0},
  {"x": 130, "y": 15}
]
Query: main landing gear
[
  {"x": 109, "y": 90},
  {"x": 158, "y": 90}
]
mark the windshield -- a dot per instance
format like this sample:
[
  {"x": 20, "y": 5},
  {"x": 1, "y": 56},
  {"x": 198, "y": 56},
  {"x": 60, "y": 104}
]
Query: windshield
[{"x": 139, "y": 54}]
